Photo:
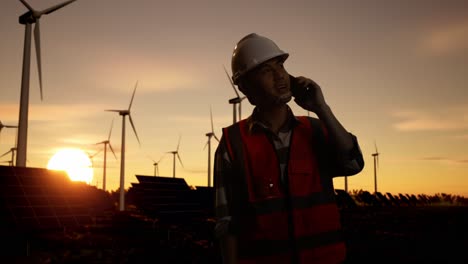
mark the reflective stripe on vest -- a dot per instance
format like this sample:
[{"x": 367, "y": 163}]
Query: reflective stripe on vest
[{"x": 260, "y": 206}]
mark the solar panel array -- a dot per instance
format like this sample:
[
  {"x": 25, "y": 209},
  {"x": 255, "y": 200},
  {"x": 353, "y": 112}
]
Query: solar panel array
[
  {"x": 168, "y": 198},
  {"x": 34, "y": 199}
]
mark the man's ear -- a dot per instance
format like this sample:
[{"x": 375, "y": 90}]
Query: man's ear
[{"x": 242, "y": 87}]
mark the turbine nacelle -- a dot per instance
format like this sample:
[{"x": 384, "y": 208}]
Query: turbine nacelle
[
  {"x": 29, "y": 18},
  {"x": 121, "y": 112}
]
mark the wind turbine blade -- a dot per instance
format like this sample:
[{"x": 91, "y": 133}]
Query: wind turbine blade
[
  {"x": 178, "y": 143},
  {"x": 58, "y": 6},
  {"x": 133, "y": 95},
  {"x": 113, "y": 110},
  {"x": 6, "y": 153},
  {"x": 110, "y": 131},
  {"x": 37, "y": 40},
  {"x": 215, "y": 137},
  {"x": 230, "y": 80},
  {"x": 149, "y": 157},
  {"x": 161, "y": 158},
  {"x": 211, "y": 118},
  {"x": 92, "y": 155},
  {"x": 375, "y": 144},
  {"x": 178, "y": 157},
  {"x": 27, "y": 5},
  {"x": 206, "y": 144},
  {"x": 110, "y": 146},
  {"x": 134, "y": 130}
]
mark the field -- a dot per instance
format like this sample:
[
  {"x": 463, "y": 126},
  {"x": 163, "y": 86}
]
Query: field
[
  {"x": 167, "y": 221},
  {"x": 373, "y": 235}
]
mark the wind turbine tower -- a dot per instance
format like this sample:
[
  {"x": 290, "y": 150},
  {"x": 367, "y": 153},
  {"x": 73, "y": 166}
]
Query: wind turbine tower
[
  {"x": 124, "y": 113},
  {"x": 27, "y": 19},
  {"x": 208, "y": 143},
  {"x": 105, "y": 143},
  {"x": 376, "y": 164},
  {"x": 235, "y": 101},
  {"x": 175, "y": 153}
]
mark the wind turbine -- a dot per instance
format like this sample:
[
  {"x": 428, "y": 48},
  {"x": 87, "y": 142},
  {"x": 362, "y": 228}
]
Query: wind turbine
[
  {"x": 27, "y": 19},
  {"x": 91, "y": 156},
  {"x": 124, "y": 113},
  {"x": 5, "y": 126},
  {"x": 12, "y": 151},
  {"x": 236, "y": 100},
  {"x": 106, "y": 142},
  {"x": 175, "y": 153},
  {"x": 376, "y": 164},
  {"x": 208, "y": 143},
  {"x": 155, "y": 164}
]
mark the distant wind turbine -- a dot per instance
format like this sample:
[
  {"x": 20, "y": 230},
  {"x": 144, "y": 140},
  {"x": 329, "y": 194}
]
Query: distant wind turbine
[
  {"x": 12, "y": 151},
  {"x": 235, "y": 101},
  {"x": 208, "y": 143},
  {"x": 91, "y": 157},
  {"x": 105, "y": 143},
  {"x": 27, "y": 19},
  {"x": 175, "y": 153},
  {"x": 6, "y": 126},
  {"x": 376, "y": 164},
  {"x": 156, "y": 164},
  {"x": 123, "y": 113}
]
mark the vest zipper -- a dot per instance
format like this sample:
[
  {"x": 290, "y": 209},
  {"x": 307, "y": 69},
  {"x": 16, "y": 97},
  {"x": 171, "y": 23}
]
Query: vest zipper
[{"x": 289, "y": 209}]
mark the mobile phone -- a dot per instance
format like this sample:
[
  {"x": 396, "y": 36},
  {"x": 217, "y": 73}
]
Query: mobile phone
[{"x": 296, "y": 90}]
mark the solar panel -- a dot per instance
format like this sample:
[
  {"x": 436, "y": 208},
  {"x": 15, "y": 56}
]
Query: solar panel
[
  {"x": 34, "y": 199},
  {"x": 166, "y": 198}
]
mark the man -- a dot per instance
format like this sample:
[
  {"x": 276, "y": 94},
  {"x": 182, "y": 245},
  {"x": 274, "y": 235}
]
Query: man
[{"x": 274, "y": 171}]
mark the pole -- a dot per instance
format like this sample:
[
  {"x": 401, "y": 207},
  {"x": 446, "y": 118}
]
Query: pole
[
  {"x": 24, "y": 100},
  {"x": 122, "y": 168}
]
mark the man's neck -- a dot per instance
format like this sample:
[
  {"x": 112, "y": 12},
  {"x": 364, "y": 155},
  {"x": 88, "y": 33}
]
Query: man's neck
[{"x": 274, "y": 116}]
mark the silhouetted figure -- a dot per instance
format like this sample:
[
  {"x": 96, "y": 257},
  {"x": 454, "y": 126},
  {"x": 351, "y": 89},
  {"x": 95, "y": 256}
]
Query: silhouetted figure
[{"x": 274, "y": 171}]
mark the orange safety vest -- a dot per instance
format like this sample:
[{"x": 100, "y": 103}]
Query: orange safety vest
[{"x": 291, "y": 221}]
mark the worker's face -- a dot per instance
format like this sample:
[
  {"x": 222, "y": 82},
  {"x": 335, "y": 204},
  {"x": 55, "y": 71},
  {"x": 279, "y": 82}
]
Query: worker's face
[{"x": 268, "y": 84}]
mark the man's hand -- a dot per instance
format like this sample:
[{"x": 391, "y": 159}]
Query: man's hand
[{"x": 309, "y": 95}]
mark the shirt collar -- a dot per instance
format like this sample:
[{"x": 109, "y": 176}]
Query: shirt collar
[{"x": 254, "y": 123}]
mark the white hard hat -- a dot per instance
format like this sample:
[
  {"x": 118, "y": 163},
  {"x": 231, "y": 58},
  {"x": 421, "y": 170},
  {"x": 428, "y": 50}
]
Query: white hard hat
[{"x": 251, "y": 51}]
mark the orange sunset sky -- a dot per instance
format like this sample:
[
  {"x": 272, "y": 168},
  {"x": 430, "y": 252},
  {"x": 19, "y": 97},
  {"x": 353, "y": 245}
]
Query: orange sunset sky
[{"x": 393, "y": 72}]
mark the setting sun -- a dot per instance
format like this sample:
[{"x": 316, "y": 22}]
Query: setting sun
[{"x": 75, "y": 162}]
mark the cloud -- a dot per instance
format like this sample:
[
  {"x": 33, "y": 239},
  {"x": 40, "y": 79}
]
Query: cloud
[
  {"x": 152, "y": 73},
  {"x": 465, "y": 136},
  {"x": 449, "y": 119},
  {"x": 39, "y": 112},
  {"x": 446, "y": 40},
  {"x": 445, "y": 159}
]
